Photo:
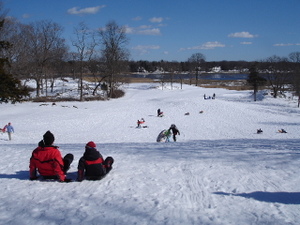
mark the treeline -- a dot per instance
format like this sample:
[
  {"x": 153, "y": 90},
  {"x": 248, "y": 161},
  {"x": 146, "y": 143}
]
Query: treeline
[{"x": 187, "y": 66}]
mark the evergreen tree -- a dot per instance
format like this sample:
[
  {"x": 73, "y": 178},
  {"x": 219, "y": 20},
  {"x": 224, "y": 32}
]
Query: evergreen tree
[
  {"x": 255, "y": 80},
  {"x": 11, "y": 89}
]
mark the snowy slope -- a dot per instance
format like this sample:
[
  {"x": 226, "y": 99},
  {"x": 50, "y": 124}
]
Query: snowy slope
[{"x": 219, "y": 172}]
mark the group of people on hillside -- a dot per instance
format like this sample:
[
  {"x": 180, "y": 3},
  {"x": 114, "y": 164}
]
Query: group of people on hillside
[
  {"x": 46, "y": 160},
  {"x": 209, "y": 97},
  {"x": 9, "y": 129},
  {"x": 260, "y": 131}
]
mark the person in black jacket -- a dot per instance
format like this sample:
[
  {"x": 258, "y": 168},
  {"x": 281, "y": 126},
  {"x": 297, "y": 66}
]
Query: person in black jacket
[
  {"x": 174, "y": 130},
  {"x": 91, "y": 165}
]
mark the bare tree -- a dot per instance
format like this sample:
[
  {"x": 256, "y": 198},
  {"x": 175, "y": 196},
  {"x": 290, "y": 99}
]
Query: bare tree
[
  {"x": 43, "y": 45},
  {"x": 85, "y": 44},
  {"x": 114, "y": 53},
  {"x": 278, "y": 73},
  {"x": 196, "y": 60},
  {"x": 295, "y": 57}
]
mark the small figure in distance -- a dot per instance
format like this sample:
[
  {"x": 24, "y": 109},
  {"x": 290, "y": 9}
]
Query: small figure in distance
[
  {"x": 9, "y": 129},
  {"x": 160, "y": 113},
  {"x": 259, "y": 131},
  {"x": 282, "y": 131},
  {"x": 139, "y": 122}
]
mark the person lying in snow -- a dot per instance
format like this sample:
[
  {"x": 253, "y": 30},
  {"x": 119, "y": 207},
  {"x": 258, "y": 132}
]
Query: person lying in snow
[
  {"x": 282, "y": 131},
  {"x": 91, "y": 165},
  {"x": 46, "y": 159}
]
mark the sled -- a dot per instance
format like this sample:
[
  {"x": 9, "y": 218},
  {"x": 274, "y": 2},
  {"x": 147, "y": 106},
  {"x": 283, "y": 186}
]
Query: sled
[{"x": 163, "y": 136}]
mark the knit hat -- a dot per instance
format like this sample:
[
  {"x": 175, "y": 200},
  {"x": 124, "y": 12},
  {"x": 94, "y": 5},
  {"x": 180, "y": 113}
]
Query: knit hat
[
  {"x": 48, "y": 138},
  {"x": 91, "y": 144}
]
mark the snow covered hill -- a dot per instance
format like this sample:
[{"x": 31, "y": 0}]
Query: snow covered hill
[{"x": 220, "y": 171}]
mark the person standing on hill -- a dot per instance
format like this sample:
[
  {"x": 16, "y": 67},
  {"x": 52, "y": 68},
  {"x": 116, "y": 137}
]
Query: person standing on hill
[
  {"x": 91, "y": 165},
  {"x": 10, "y": 129},
  {"x": 175, "y": 131},
  {"x": 46, "y": 159}
]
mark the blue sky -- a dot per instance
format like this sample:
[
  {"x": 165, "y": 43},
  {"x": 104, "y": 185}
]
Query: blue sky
[{"x": 176, "y": 29}]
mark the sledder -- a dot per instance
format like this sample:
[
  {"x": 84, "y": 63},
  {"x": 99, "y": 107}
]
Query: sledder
[
  {"x": 140, "y": 122},
  {"x": 163, "y": 136},
  {"x": 46, "y": 160},
  {"x": 282, "y": 131},
  {"x": 160, "y": 113},
  {"x": 175, "y": 131},
  {"x": 259, "y": 131},
  {"x": 92, "y": 165}
]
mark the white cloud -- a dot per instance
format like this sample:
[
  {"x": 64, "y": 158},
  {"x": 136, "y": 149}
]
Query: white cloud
[
  {"x": 156, "y": 19},
  {"x": 153, "y": 31},
  {"x": 143, "y": 49},
  {"x": 145, "y": 27},
  {"x": 243, "y": 34},
  {"x": 246, "y": 43},
  {"x": 25, "y": 16},
  {"x": 143, "y": 30},
  {"x": 287, "y": 44},
  {"x": 207, "y": 45},
  {"x": 89, "y": 10},
  {"x": 137, "y": 18}
]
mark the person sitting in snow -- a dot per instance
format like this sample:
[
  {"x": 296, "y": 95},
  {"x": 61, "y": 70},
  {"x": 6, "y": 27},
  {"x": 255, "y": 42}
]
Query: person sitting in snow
[
  {"x": 174, "y": 130},
  {"x": 46, "y": 159},
  {"x": 160, "y": 113},
  {"x": 139, "y": 122},
  {"x": 259, "y": 131},
  {"x": 91, "y": 165}
]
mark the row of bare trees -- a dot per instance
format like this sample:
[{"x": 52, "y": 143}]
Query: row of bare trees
[{"x": 39, "y": 52}]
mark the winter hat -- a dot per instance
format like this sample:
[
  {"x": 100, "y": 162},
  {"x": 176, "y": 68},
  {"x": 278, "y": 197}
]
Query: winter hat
[
  {"x": 48, "y": 138},
  {"x": 91, "y": 144}
]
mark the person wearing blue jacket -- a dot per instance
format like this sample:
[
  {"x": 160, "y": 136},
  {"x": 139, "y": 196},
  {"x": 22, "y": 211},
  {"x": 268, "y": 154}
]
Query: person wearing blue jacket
[{"x": 9, "y": 128}]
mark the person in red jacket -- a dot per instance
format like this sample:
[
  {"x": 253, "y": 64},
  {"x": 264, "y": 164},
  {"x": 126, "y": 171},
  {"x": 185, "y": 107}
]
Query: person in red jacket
[
  {"x": 46, "y": 159},
  {"x": 91, "y": 165}
]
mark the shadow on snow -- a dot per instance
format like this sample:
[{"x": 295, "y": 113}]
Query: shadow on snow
[{"x": 272, "y": 197}]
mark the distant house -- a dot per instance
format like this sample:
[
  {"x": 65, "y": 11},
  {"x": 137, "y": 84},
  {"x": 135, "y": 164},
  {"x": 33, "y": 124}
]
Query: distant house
[{"x": 216, "y": 69}]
